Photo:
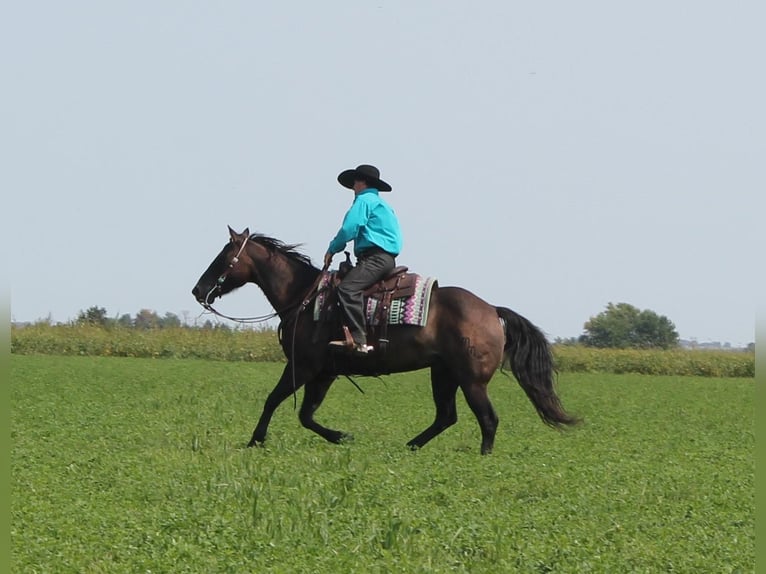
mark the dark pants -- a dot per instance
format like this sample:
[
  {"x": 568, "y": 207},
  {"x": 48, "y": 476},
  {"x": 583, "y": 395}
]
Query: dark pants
[{"x": 371, "y": 267}]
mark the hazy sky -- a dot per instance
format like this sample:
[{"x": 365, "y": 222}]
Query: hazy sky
[{"x": 552, "y": 157}]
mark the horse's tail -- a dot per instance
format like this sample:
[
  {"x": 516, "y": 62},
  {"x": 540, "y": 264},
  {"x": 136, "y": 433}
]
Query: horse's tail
[{"x": 530, "y": 359}]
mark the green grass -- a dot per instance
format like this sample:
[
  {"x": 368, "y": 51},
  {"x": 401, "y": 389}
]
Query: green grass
[{"x": 138, "y": 465}]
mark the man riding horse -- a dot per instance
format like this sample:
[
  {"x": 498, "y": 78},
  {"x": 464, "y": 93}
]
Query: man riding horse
[{"x": 374, "y": 228}]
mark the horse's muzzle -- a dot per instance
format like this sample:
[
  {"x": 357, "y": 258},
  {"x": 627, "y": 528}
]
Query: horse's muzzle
[{"x": 204, "y": 296}]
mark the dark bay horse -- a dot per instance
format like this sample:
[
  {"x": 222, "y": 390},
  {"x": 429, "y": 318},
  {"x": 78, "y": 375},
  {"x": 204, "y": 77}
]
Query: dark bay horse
[{"x": 465, "y": 340}]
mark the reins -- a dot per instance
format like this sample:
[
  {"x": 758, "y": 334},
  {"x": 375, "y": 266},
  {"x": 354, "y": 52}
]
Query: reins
[
  {"x": 305, "y": 301},
  {"x": 312, "y": 293},
  {"x": 247, "y": 320}
]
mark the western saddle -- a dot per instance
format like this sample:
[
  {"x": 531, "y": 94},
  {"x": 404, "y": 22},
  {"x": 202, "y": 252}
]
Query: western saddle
[{"x": 395, "y": 285}]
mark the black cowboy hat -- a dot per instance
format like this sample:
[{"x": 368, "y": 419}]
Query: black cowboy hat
[{"x": 368, "y": 173}]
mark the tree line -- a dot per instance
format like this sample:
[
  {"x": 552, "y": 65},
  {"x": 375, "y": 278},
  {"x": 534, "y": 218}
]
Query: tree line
[{"x": 144, "y": 319}]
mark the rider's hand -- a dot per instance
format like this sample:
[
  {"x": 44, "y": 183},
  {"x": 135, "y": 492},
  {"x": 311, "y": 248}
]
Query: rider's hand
[{"x": 327, "y": 260}]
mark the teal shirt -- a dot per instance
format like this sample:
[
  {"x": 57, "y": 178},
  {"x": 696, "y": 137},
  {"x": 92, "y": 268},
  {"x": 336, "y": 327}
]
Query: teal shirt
[{"x": 370, "y": 222}]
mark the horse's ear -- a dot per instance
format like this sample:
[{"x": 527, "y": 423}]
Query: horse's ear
[
  {"x": 238, "y": 237},
  {"x": 233, "y": 235}
]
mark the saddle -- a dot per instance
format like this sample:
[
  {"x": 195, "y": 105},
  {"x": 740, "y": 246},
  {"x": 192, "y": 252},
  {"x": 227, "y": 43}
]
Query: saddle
[{"x": 397, "y": 284}]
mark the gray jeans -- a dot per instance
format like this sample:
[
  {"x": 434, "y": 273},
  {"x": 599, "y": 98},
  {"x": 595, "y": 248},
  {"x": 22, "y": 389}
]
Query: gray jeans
[{"x": 371, "y": 267}]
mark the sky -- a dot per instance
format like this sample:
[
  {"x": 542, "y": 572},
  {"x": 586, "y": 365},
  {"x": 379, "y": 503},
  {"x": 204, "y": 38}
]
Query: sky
[{"x": 551, "y": 157}]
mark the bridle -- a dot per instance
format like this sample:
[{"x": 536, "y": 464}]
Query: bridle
[
  {"x": 217, "y": 287},
  {"x": 259, "y": 318}
]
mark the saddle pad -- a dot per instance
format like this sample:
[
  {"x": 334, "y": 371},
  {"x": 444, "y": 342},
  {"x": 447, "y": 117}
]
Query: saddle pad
[
  {"x": 322, "y": 288},
  {"x": 412, "y": 310}
]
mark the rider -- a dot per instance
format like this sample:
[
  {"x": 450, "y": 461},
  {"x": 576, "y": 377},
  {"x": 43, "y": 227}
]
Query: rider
[{"x": 373, "y": 227}]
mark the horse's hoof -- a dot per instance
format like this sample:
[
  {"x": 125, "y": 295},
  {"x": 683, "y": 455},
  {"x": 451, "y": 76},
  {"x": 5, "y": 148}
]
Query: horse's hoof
[
  {"x": 258, "y": 443},
  {"x": 346, "y": 437},
  {"x": 341, "y": 438}
]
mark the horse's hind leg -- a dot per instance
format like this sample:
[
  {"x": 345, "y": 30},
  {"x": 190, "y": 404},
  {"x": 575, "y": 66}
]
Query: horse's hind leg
[
  {"x": 315, "y": 392},
  {"x": 478, "y": 399},
  {"x": 443, "y": 388}
]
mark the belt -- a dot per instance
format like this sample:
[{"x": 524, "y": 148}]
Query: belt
[{"x": 369, "y": 252}]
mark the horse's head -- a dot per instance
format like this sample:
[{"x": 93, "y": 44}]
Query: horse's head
[{"x": 229, "y": 270}]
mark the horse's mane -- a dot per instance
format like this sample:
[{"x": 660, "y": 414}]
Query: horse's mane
[{"x": 288, "y": 250}]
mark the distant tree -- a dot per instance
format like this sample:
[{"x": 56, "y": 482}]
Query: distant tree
[
  {"x": 751, "y": 347},
  {"x": 146, "y": 319},
  {"x": 45, "y": 321},
  {"x": 566, "y": 342},
  {"x": 125, "y": 320},
  {"x": 624, "y": 326},
  {"x": 92, "y": 316},
  {"x": 170, "y": 320},
  {"x": 217, "y": 326}
]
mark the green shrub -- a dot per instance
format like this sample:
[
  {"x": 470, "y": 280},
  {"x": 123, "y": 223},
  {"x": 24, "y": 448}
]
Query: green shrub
[
  {"x": 577, "y": 359},
  {"x": 263, "y": 345},
  {"x": 177, "y": 343}
]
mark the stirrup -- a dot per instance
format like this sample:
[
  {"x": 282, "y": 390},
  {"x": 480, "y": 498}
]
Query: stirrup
[{"x": 347, "y": 342}]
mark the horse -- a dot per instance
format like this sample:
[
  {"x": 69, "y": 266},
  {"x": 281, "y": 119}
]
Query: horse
[{"x": 463, "y": 342}]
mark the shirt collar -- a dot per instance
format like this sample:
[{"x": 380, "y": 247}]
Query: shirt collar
[{"x": 367, "y": 190}]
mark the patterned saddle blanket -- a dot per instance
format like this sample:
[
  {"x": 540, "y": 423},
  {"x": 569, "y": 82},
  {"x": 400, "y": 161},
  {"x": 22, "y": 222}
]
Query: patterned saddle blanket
[{"x": 407, "y": 296}]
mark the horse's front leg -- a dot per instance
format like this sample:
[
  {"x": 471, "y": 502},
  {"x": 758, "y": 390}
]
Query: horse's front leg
[
  {"x": 284, "y": 388},
  {"x": 315, "y": 392}
]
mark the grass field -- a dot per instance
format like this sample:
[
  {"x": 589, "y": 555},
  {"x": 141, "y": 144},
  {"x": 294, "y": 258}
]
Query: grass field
[{"x": 139, "y": 465}]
